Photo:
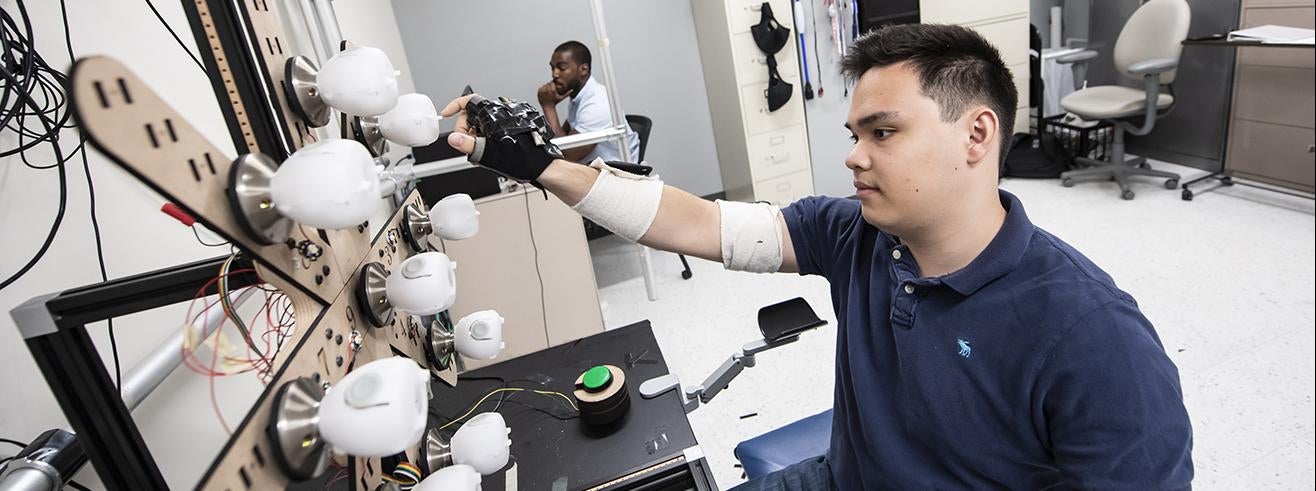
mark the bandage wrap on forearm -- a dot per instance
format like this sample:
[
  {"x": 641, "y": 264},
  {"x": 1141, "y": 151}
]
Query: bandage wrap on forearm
[
  {"x": 622, "y": 202},
  {"x": 751, "y": 236}
]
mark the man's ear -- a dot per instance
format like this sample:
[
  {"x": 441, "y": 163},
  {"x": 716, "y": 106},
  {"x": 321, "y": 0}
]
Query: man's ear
[{"x": 983, "y": 126}]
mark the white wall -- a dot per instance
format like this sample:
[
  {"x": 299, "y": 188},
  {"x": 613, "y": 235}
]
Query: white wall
[
  {"x": 452, "y": 44},
  {"x": 829, "y": 141},
  {"x": 176, "y": 420}
]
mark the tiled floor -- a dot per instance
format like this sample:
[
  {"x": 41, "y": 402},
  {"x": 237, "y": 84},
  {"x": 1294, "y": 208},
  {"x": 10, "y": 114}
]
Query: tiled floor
[{"x": 1227, "y": 279}]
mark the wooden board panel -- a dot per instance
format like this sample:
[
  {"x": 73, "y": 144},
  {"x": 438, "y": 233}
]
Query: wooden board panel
[
  {"x": 269, "y": 41},
  {"x": 132, "y": 125},
  {"x": 323, "y": 350},
  {"x": 225, "y": 75}
]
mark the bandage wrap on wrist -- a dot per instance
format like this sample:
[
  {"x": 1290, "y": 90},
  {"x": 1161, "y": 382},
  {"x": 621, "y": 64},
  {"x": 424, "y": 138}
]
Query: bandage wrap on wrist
[
  {"x": 751, "y": 236},
  {"x": 622, "y": 202}
]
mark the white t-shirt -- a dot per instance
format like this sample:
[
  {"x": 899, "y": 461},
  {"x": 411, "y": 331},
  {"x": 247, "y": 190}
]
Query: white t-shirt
[{"x": 589, "y": 111}]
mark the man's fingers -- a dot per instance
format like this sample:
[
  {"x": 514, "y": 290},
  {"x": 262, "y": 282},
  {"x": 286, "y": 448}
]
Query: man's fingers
[
  {"x": 462, "y": 142},
  {"x": 456, "y": 106},
  {"x": 461, "y": 127}
]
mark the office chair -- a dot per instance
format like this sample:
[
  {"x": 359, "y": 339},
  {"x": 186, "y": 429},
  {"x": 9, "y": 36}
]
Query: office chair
[
  {"x": 1148, "y": 48},
  {"x": 642, "y": 125}
]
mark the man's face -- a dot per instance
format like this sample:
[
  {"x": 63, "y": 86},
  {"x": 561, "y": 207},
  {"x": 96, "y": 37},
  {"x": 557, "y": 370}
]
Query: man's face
[
  {"x": 907, "y": 163},
  {"x": 568, "y": 76}
]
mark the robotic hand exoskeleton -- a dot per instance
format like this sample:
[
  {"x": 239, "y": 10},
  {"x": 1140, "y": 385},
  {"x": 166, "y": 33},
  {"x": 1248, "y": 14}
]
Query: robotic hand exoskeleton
[{"x": 513, "y": 139}]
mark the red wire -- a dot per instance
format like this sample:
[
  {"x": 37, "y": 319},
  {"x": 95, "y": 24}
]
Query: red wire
[{"x": 188, "y": 356}]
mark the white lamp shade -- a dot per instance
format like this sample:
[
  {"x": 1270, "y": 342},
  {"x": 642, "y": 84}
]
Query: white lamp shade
[
  {"x": 412, "y": 122},
  {"x": 424, "y": 284},
  {"x": 328, "y": 184},
  {"x": 455, "y": 217},
  {"x": 377, "y": 410},
  {"x": 483, "y": 443},
  {"x": 479, "y": 335},
  {"x": 360, "y": 81},
  {"x": 451, "y": 478}
]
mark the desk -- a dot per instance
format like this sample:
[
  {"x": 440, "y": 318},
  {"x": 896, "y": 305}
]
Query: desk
[
  {"x": 651, "y": 445},
  {"x": 1281, "y": 163}
]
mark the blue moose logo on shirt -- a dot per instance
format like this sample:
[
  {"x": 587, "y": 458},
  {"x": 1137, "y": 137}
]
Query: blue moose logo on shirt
[{"x": 965, "y": 349}]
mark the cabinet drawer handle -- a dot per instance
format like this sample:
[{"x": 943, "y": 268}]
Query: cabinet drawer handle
[
  {"x": 783, "y": 187},
  {"x": 777, "y": 159}
]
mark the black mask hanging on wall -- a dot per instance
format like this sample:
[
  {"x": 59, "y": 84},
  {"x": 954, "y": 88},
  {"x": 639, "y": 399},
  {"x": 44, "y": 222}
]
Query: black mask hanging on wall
[
  {"x": 771, "y": 37},
  {"x": 769, "y": 34},
  {"x": 778, "y": 91}
]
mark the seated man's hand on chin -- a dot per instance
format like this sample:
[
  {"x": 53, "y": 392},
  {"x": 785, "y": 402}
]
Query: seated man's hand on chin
[
  {"x": 549, "y": 96},
  {"x": 507, "y": 137}
]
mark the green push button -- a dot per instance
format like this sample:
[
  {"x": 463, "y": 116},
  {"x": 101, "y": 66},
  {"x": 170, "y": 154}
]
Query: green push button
[{"x": 597, "y": 378}]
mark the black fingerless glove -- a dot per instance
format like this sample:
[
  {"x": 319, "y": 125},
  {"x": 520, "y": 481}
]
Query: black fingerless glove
[{"x": 512, "y": 138}]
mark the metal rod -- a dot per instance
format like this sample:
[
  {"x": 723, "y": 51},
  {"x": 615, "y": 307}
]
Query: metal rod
[
  {"x": 328, "y": 20},
  {"x": 322, "y": 52},
  {"x": 389, "y": 182},
  {"x": 582, "y": 139},
  {"x": 614, "y": 97},
  {"x": 28, "y": 479},
  {"x": 167, "y": 356}
]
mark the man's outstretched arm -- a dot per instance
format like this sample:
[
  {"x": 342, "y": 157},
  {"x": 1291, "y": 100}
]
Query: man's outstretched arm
[{"x": 684, "y": 223}]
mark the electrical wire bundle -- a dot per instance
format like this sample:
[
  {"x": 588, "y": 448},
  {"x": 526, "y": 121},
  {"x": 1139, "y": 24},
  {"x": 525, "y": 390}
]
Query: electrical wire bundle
[
  {"x": 406, "y": 475},
  {"x": 30, "y": 89},
  {"x": 507, "y": 390},
  {"x": 276, "y": 314},
  {"x": 33, "y": 106}
]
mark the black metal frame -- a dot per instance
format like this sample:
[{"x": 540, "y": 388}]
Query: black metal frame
[
  {"x": 55, "y": 329},
  {"x": 246, "y": 70},
  {"x": 54, "y": 326},
  {"x": 1226, "y": 178}
]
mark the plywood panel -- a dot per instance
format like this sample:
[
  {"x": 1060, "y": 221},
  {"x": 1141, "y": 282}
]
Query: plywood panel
[
  {"x": 323, "y": 350},
  {"x": 132, "y": 125}
]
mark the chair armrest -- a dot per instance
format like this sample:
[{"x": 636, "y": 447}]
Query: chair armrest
[
  {"x": 1148, "y": 67},
  {"x": 1079, "y": 57}
]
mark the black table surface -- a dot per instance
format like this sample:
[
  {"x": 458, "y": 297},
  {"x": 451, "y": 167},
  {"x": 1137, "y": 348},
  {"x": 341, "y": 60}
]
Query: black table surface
[{"x": 553, "y": 454}]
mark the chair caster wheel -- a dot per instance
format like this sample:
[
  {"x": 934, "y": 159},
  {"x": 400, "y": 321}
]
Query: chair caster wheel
[
  {"x": 1127, "y": 195},
  {"x": 1186, "y": 195},
  {"x": 1067, "y": 182},
  {"x": 1171, "y": 183},
  {"x": 685, "y": 275}
]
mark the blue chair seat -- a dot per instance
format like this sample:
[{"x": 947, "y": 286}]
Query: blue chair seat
[{"x": 785, "y": 446}]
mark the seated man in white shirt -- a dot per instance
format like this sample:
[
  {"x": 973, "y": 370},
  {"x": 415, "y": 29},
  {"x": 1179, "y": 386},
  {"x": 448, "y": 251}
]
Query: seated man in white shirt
[{"x": 589, "y": 109}]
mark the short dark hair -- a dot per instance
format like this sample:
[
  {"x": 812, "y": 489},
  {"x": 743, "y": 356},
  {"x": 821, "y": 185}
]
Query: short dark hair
[
  {"x": 956, "y": 67},
  {"x": 578, "y": 51}
]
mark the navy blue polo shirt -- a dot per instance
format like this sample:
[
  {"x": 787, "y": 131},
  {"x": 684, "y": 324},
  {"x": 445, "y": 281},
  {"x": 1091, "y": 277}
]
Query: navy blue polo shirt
[{"x": 1026, "y": 369}]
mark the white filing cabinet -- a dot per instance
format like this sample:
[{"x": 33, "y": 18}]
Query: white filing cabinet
[
  {"x": 1004, "y": 23},
  {"x": 763, "y": 155}
]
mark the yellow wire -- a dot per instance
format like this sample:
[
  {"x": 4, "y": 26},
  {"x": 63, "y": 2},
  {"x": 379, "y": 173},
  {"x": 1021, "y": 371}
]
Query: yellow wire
[{"x": 508, "y": 389}]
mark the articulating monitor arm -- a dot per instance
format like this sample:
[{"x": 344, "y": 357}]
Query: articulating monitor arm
[{"x": 717, "y": 381}]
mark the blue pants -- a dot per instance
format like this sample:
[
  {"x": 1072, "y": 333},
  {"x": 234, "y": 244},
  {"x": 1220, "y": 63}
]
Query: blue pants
[{"x": 809, "y": 475}]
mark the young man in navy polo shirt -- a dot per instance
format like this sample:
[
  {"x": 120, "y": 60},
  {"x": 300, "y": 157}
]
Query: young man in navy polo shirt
[{"x": 974, "y": 350}]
